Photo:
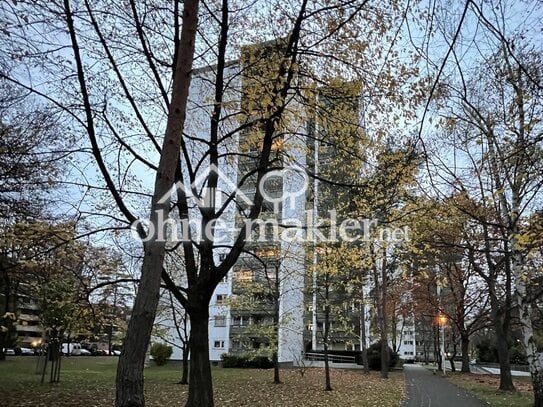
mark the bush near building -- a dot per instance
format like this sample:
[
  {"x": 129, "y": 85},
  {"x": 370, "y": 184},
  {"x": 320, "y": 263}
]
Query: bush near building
[
  {"x": 374, "y": 357},
  {"x": 161, "y": 353},
  {"x": 246, "y": 361}
]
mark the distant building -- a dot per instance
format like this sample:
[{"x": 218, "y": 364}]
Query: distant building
[
  {"x": 235, "y": 329},
  {"x": 30, "y": 333}
]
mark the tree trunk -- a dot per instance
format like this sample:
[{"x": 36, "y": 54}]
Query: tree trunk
[
  {"x": 363, "y": 338},
  {"x": 132, "y": 359},
  {"x": 384, "y": 327},
  {"x": 380, "y": 305},
  {"x": 426, "y": 349},
  {"x": 537, "y": 383},
  {"x": 54, "y": 356},
  {"x": 384, "y": 359},
  {"x": 4, "y": 334},
  {"x": 276, "y": 378},
  {"x": 3, "y": 343},
  {"x": 200, "y": 380},
  {"x": 525, "y": 304},
  {"x": 276, "y": 318},
  {"x": 327, "y": 382},
  {"x": 185, "y": 368},
  {"x": 326, "y": 335},
  {"x": 365, "y": 361},
  {"x": 454, "y": 352},
  {"x": 451, "y": 361},
  {"x": 501, "y": 318},
  {"x": 506, "y": 379},
  {"x": 437, "y": 347},
  {"x": 8, "y": 306},
  {"x": 131, "y": 363},
  {"x": 465, "y": 354}
]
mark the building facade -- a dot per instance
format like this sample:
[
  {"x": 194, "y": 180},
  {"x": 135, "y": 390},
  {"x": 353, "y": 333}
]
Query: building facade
[{"x": 268, "y": 300}]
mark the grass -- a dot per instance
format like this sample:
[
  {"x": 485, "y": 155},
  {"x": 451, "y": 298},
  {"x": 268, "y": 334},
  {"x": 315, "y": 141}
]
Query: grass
[
  {"x": 485, "y": 387},
  {"x": 90, "y": 382}
]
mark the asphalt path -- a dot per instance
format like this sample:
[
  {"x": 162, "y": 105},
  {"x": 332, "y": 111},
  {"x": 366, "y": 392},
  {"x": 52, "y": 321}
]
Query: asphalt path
[{"x": 425, "y": 389}]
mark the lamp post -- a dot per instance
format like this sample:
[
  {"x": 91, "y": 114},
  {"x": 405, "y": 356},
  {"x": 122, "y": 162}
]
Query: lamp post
[{"x": 442, "y": 320}]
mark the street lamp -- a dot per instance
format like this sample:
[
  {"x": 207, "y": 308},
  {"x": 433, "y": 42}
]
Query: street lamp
[{"x": 442, "y": 320}]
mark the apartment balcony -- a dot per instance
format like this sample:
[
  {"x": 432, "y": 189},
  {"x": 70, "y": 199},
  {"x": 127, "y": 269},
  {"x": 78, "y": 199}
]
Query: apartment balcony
[
  {"x": 29, "y": 328},
  {"x": 29, "y": 317},
  {"x": 254, "y": 332},
  {"x": 28, "y": 306}
]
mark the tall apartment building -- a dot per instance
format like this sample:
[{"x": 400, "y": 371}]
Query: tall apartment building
[
  {"x": 30, "y": 333},
  {"x": 291, "y": 198}
]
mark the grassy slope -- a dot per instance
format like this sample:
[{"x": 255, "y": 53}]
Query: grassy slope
[{"x": 89, "y": 381}]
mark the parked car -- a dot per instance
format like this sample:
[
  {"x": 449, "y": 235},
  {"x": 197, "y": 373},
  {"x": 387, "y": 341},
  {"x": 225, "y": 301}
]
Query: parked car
[
  {"x": 85, "y": 352},
  {"x": 73, "y": 349},
  {"x": 116, "y": 352},
  {"x": 10, "y": 352},
  {"x": 23, "y": 351}
]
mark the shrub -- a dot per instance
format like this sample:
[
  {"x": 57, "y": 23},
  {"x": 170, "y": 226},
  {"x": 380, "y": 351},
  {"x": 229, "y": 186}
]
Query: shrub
[
  {"x": 246, "y": 361},
  {"x": 229, "y": 360},
  {"x": 374, "y": 357},
  {"x": 161, "y": 353},
  {"x": 486, "y": 351},
  {"x": 260, "y": 362},
  {"x": 518, "y": 354}
]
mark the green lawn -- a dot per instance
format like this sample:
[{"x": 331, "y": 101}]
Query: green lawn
[
  {"x": 89, "y": 382},
  {"x": 485, "y": 387}
]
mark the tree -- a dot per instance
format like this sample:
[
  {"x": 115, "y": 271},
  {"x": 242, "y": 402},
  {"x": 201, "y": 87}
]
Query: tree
[
  {"x": 30, "y": 157},
  {"x": 58, "y": 301},
  {"x": 28, "y": 252},
  {"x": 328, "y": 278},
  {"x": 258, "y": 297},
  {"x": 502, "y": 149},
  {"x": 490, "y": 104},
  {"x": 172, "y": 326},
  {"x": 439, "y": 252},
  {"x": 387, "y": 198}
]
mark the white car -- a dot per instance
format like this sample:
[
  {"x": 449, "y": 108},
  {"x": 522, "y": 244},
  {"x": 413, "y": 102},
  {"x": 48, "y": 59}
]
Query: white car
[
  {"x": 73, "y": 349},
  {"x": 85, "y": 352},
  {"x": 10, "y": 352},
  {"x": 27, "y": 351}
]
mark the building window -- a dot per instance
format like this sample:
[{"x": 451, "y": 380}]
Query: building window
[
  {"x": 220, "y": 298},
  {"x": 244, "y": 275},
  {"x": 237, "y": 321},
  {"x": 218, "y": 344},
  {"x": 220, "y": 320},
  {"x": 222, "y": 256},
  {"x": 408, "y": 342}
]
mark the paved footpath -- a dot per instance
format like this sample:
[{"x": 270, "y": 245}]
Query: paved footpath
[{"x": 424, "y": 389}]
